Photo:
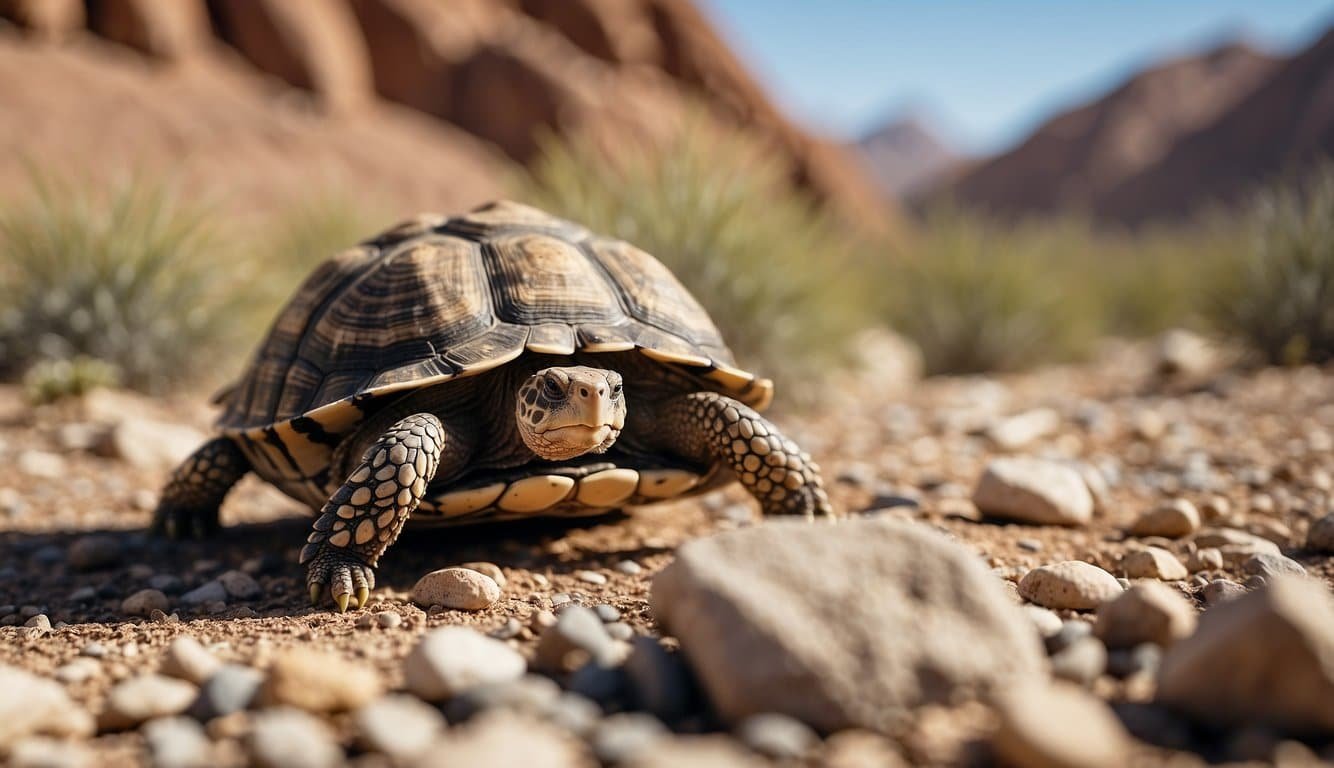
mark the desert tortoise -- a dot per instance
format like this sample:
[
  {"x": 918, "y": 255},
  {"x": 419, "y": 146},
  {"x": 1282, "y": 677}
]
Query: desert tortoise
[{"x": 504, "y": 363}]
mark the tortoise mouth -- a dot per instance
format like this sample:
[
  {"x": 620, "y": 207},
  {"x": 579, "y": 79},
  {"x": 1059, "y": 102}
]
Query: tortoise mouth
[{"x": 578, "y": 434}]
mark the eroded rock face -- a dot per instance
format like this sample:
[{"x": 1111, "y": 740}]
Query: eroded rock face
[
  {"x": 843, "y": 625},
  {"x": 315, "y": 45},
  {"x": 1267, "y": 656}
]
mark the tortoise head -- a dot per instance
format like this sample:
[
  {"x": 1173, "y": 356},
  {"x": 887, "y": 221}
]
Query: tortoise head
[{"x": 565, "y": 412}]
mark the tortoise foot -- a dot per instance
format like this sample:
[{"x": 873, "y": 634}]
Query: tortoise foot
[{"x": 349, "y": 579}]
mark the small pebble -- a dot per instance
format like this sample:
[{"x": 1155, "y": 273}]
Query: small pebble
[
  {"x": 591, "y": 577},
  {"x": 388, "y": 619},
  {"x": 510, "y": 629},
  {"x": 178, "y": 742},
  {"x": 457, "y": 588},
  {"x": 89, "y": 553},
  {"x": 619, "y": 630},
  {"x": 290, "y": 738},
  {"x": 629, "y": 568},
  {"x": 1153, "y": 563},
  {"x": 607, "y": 613},
  {"x": 1081, "y": 662},
  {"x": 232, "y": 688},
  {"x": 240, "y": 585},
  {"x": 777, "y": 736},
  {"x": 577, "y": 637},
  {"x": 1072, "y": 584},
  {"x": 400, "y": 726},
  {"x": 144, "y": 602},
  {"x": 319, "y": 681},
  {"x": 186, "y": 659},
  {"x": 620, "y": 738},
  {"x": 452, "y": 659},
  {"x": 144, "y": 698},
  {"x": 210, "y": 592},
  {"x": 490, "y": 569}
]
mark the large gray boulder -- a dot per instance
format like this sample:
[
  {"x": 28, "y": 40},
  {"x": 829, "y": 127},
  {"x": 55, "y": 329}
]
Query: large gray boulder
[
  {"x": 841, "y": 625},
  {"x": 1267, "y": 656}
]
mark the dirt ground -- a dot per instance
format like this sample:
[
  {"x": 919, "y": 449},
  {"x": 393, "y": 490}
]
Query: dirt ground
[{"x": 1261, "y": 440}]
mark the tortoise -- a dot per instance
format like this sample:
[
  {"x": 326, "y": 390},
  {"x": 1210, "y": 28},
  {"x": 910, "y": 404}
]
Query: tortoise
[{"x": 500, "y": 364}]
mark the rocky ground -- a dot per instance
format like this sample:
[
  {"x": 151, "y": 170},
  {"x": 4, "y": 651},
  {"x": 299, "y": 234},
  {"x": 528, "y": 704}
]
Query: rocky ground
[{"x": 1139, "y": 597}]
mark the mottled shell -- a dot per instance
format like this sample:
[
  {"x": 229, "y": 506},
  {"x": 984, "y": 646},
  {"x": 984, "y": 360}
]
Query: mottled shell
[{"x": 437, "y": 298}]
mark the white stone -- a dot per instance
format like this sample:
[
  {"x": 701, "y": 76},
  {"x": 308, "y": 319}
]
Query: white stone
[
  {"x": 1033, "y": 491},
  {"x": 452, "y": 659}
]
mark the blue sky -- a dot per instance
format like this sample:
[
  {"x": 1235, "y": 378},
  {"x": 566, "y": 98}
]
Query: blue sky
[{"x": 984, "y": 73}]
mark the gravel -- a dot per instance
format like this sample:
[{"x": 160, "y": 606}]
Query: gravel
[{"x": 577, "y": 637}]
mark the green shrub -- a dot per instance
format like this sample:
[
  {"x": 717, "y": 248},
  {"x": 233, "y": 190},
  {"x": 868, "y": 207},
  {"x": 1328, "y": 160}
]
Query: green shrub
[
  {"x": 784, "y": 283},
  {"x": 977, "y": 296},
  {"x": 50, "y": 380},
  {"x": 127, "y": 277},
  {"x": 1278, "y": 294}
]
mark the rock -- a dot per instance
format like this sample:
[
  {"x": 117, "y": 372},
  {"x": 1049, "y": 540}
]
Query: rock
[
  {"x": 861, "y": 749},
  {"x": 1033, "y": 491},
  {"x": 137, "y": 699},
  {"x": 530, "y": 694},
  {"x": 144, "y": 602},
  {"x": 89, "y": 553},
  {"x": 314, "y": 45},
  {"x": 290, "y": 738},
  {"x": 1058, "y": 726},
  {"x": 1071, "y": 632},
  {"x": 791, "y": 596},
  {"x": 240, "y": 585},
  {"x": 178, "y": 742},
  {"x": 42, "y": 752},
  {"x": 1261, "y": 658},
  {"x": 1235, "y": 546},
  {"x": 40, "y": 464},
  {"x": 1153, "y": 563},
  {"x": 450, "y": 660},
  {"x": 1148, "y": 612},
  {"x": 1321, "y": 535},
  {"x": 1172, "y": 521},
  {"x": 659, "y": 680},
  {"x": 1270, "y": 565},
  {"x": 400, "y": 726},
  {"x": 150, "y": 444},
  {"x": 506, "y": 739},
  {"x": 209, "y": 592},
  {"x": 622, "y": 737},
  {"x": 165, "y": 30},
  {"x": 1220, "y": 591},
  {"x": 577, "y": 637},
  {"x": 458, "y": 588},
  {"x": 1207, "y": 559},
  {"x": 1143, "y": 659},
  {"x": 186, "y": 659},
  {"x": 76, "y": 670},
  {"x": 1073, "y": 584},
  {"x": 33, "y": 706},
  {"x": 46, "y": 19},
  {"x": 388, "y": 619},
  {"x": 1046, "y": 622},
  {"x": 317, "y": 681},
  {"x": 232, "y": 688},
  {"x": 1081, "y": 662},
  {"x": 777, "y": 736},
  {"x": 1023, "y": 429},
  {"x": 491, "y": 570},
  {"x": 591, "y": 577},
  {"x": 1184, "y": 353}
]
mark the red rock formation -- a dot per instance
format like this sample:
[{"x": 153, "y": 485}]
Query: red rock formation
[{"x": 166, "y": 30}]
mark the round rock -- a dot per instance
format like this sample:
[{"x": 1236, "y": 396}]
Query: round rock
[
  {"x": 1321, "y": 535},
  {"x": 1033, "y": 491},
  {"x": 319, "y": 682},
  {"x": 1148, "y": 612},
  {"x": 1153, "y": 563},
  {"x": 458, "y": 588},
  {"x": 1072, "y": 584},
  {"x": 144, "y": 602},
  {"x": 146, "y": 697},
  {"x": 400, "y": 726},
  {"x": 450, "y": 660},
  {"x": 1058, "y": 725},
  {"x": 1172, "y": 521},
  {"x": 290, "y": 738}
]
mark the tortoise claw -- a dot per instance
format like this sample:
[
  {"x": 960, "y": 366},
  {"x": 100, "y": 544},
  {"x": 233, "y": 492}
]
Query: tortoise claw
[
  {"x": 346, "y": 576},
  {"x": 363, "y": 597},
  {"x": 315, "y": 590},
  {"x": 341, "y": 601}
]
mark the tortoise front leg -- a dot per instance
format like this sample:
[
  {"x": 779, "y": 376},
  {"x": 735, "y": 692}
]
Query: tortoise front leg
[
  {"x": 707, "y": 426},
  {"x": 191, "y": 498},
  {"x": 367, "y": 513}
]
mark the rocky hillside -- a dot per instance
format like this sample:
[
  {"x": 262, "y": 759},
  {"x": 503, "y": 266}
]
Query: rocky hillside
[
  {"x": 500, "y": 72},
  {"x": 1280, "y": 127},
  {"x": 905, "y": 155},
  {"x": 1075, "y": 161}
]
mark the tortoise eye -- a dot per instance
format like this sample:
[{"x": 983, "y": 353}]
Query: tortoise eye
[
  {"x": 616, "y": 390},
  {"x": 553, "y": 389}
]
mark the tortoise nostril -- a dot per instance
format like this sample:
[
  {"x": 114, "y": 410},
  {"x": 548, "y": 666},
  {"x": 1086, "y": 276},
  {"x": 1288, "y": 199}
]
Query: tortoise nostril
[{"x": 583, "y": 391}]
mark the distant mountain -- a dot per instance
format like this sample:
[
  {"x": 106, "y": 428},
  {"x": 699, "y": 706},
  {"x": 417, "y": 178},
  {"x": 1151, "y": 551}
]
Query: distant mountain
[
  {"x": 1279, "y": 128},
  {"x": 1074, "y": 161},
  {"x": 904, "y": 155}
]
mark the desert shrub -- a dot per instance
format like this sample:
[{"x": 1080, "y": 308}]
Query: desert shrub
[
  {"x": 124, "y": 276},
  {"x": 1277, "y": 293},
  {"x": 784, "y": 282},
  {"x": 977, "y": 296},
  {"x": 50, "y": 380}
]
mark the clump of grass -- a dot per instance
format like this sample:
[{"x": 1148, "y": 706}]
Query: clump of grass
[
  {"x": 48, "y": 381},
  {"x": 126, "y": 277},
  {"x": 777, "y": 275},
  {"x": 1277, "y": 294},
  {"x": 979, "y": 297}
]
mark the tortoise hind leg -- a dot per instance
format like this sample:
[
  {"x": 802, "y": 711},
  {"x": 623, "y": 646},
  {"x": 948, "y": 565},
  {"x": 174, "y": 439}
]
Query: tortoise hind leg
[
  {"x": 708, "y": 426},
  {"x": 191, "y": 498},
  {"x": 367, "y": 513}
]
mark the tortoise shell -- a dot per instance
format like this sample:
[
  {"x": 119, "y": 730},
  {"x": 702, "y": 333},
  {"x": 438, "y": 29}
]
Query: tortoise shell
[{"x": 439, "y": 298}]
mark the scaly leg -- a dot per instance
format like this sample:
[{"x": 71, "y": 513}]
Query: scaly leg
[
  {"x": 707, "y": 426},
  {"x": 367, "y": 513},
  {"x": 190, "y": 500}
]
